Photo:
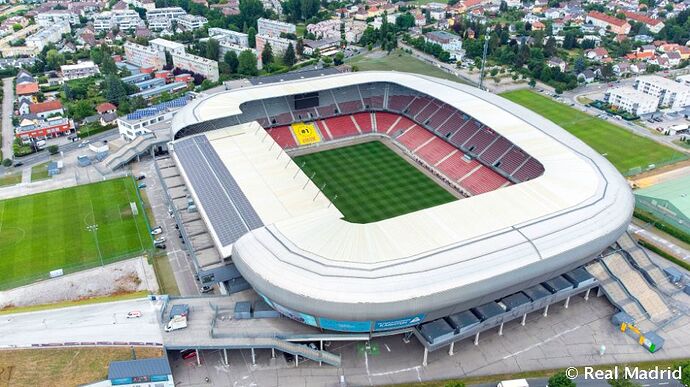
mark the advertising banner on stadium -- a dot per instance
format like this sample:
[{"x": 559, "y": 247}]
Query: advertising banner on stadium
[
  {"x": 345, "y": 326},
  {"x": 385, "y": 325},
  {"x": 297, "y": 316}
]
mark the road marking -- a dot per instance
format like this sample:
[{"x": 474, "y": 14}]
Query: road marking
[
  {"x": 531, "y": 347},
  {"x": 415, "y": 368},
  {"x": 388, "y": 348},
  {"x": 664, "y": 383}
]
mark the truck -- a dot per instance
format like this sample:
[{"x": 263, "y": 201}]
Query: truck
[
  {"x": 177, "y": 322},
  {"x": 179, "y": 310}
]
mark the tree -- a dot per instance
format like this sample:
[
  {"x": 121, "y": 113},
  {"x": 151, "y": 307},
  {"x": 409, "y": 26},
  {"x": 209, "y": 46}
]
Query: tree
[
  {"x": 16, "y": 27},
  {"x": 54, "y": 59},
  {"x": 6, "y": 163},
  {"x": 267, "y": 54},
  {"x": 300, "y": 47},
  {"x": 622, "y": 382},
  {"x": 405, "y": 21},
  {"x": 251, "y": 36},
  {"x": 289, "y": 57},
  {"x": 212, "y": 49},
  {"x": 114, "y": 88},
  {"x": 53, "y": 149},
  {"x": 231, "y": 59},
  {"x": 81, "y": 109},
  {"x": 532, "y": 83},
  {"x": 247, "y": 63},
  {"x": 560, "y": 380},
  {"x": 327, "y": 61},
  {"x": 503, "y": 7},
  {"x": 108, "y": 65},
  {"x": 250, "y": 12},
  {"x": 339, "y": 58},
  {"x": 685, "y": 367},
  {"x": 550, "y": 47}
]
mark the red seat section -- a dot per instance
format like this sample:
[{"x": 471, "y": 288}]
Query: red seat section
[
  {"x": 341, "y": 127},
  {"x": 451, "y": 125},
  {"x": 495, "y": 151},
  {"x": 464, "y": 134},
  {"x": 456, "y": 166},
  {"x": 483, "y": 180},
  {"x": 440, "y": 116},
  {"x": 530, "y": 170},
  {"x": 384, "y": 121},
  {"x": 399, "y": 102},
  {"x": 401, "y": 125},
  {"x": 512, "y": 160},
  {"x": 417, "y": 106},
  {"x": 283, "y": 136},
  {"x": 415, "y": 137},
  {"x": 481, "y": 141},
  {"x": 350, "y": 106},
  {"x": 435, "y": 151},
  {"x": 364, "y": 122},
  {"x": 428, "y": 111},
  {"x": 324, "y": 134}
]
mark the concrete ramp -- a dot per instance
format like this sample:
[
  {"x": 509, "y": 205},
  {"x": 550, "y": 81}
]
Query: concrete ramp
[
  {"x": 644, "y": 263},
  {"x": 615, "y": 292}
]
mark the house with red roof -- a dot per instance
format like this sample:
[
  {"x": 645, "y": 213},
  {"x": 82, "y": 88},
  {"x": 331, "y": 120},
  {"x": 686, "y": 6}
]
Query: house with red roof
[
  {"x": 610, "y": 23},
  {"x": 106, "y": 107},
  {"x": 29, "y": 88},
  {"x": 47, "y": 108},
  {"x": 654, "y": 25}
]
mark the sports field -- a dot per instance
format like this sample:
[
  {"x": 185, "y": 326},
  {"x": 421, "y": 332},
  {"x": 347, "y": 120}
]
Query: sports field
[
  {"x": 48, "y": 231},
  {"x": 371, "y": 182},
  {"x": 624, "y": 149}
]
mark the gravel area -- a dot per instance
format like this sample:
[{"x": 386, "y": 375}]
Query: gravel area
[{"x": 121, "y": 277}]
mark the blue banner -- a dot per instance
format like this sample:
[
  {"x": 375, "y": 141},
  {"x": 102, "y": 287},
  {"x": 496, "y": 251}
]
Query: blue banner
[
  {"x": 385, "y": 325},
  {"x": 345, "y": 326}
]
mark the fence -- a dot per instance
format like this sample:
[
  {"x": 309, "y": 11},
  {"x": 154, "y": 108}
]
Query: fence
[{"x": 640, "y": 169}]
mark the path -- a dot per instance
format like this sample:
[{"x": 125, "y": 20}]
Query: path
[{"x": 7, "y": 109}]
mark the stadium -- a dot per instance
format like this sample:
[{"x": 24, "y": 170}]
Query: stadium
[{"x": 371, "y": 201}]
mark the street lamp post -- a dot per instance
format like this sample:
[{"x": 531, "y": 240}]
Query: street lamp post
[{"x": 94, "y": 228}]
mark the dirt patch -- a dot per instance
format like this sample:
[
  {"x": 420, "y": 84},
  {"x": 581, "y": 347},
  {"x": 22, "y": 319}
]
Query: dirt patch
[{"x": 64, "y": 366}]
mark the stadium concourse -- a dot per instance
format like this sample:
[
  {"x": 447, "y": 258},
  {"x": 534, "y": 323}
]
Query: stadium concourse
[{"x": 534, "y": 202}]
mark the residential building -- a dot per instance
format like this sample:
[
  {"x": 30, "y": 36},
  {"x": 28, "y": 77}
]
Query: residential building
[
  {"x": 83, "y": 69},
  {"x": 668, "y": 92},
  {"x": 206, "y": 67},
  {"x": 138, "y": 123},
  {"x": 631, "y": 100},
  {"x": 50, "y": 34},
  {"x": 326, "y": 47},
  {"x": 278, "y": 45},
  {"x": 163, "y": 46},
  {"x": 684, "y": 80},
  {"x": 144, "y": 56},
  {"x": 126, "y": 19},
  {"x": 145, "y": 4},
  {"x": 610, "y": 23},
  {"x": 42, "y": 129},
  {"x": 46, "y": 109},
  {"x": 274, "y": 27},
  {"x": 167, "y": 12},
  {"x": 227, "y": 47},
  {"x": 228, "y": 36},
  {"x": 191, "y": 22},
  {"x": 106, "y": 107},
  {"x": 326, "y": 29},
  {"x": 653, "y": 25},
  {"x": 449, "y": 42},
  {"x": 45, "y": 19},
  {"x": 556, "y": 62}
]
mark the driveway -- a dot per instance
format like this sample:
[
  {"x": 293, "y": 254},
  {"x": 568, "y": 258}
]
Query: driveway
[{"x": 7, "y": 109}]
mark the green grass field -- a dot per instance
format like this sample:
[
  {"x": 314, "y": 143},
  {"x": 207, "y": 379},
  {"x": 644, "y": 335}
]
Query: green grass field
[
  {"x": 624, "y": 149},
  {"x": 372, "y": 182},
  {"x": 47, "y": 231},
  {"x": 40, "y": 172},
  {"x": 398, "y": 61}
]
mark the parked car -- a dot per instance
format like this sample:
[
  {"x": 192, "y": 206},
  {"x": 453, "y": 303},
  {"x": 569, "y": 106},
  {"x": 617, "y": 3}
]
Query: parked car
[
  {"x": 159, "y": 240},
  {"x": 141, "y": 186},
  {"x": 160, "y": 246},
  {"x": 156, "y": 230},
  {"x": 188, "y": 354},
  {"x": 18, "y": 164},
  {"x": 206, "y": 289},
  {"x": 134, "y": 314},
  {"x": 141, "y": 177}
]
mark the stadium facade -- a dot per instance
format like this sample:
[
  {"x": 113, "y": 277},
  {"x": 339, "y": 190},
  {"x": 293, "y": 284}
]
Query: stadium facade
[{"x": 538, "y": 202}]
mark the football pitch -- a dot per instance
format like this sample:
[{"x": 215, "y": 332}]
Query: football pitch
[
  {"x": 48, "y": 231},
  {"x": 624, "y": 149},
  {"x": 369, "y": 182}
]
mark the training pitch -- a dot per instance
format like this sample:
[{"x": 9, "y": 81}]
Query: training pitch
[
  {"x": 624, "y": 149},
  {"x": 48, "y": 231},
  {"x": 371, "y": 182}
]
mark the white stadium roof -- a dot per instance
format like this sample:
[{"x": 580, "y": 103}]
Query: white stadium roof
[{"x": 449, "y": 256}]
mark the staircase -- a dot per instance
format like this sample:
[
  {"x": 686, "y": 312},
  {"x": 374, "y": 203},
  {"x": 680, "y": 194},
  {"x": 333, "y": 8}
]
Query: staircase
[
  {"x": 638, "y": 287},
  {"x": 615, "y": 292},
  {"x": 642, "y": 260},
  {"x": 130, "y": 150}
]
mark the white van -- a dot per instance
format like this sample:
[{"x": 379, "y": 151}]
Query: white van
[{"x": 513, "y": 383}]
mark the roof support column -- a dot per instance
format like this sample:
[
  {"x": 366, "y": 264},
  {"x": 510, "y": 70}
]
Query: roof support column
[
  {"x": 225, "y": 355},
  {"x": 426, "y": 354},
  {"x": 321, "y": 348},
  {"x": 273, "y": 353},
  {"x": 452, "y": 346},
  {"x": 524, "y": 319},
  {"x": 253, "y": 357},
  {"x": 476, "y": 339},
  {"x": 296, "y": 360},
  {"x": 587, "y": 294},
  {"x": 546, "y": 311},
  {"x": 198, "y": 360},
  {"x": 500, "y": 330},
  {"x": 567, "y": 302}
]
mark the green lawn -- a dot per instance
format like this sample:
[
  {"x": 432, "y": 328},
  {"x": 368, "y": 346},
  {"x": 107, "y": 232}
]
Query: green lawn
[
  {"x": 10, "y": 179},
  {"x": 372, "y": 182},
  {"x": 398, "y": 61},
  {"x": 47, "y": 231},
  {"x": 624, "y": 149},
  {"x": 40, "y": 172}
]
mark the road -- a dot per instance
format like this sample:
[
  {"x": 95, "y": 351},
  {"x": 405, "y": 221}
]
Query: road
[
  {"x": 670, "y": 246},
  {"x": 88, "y": 323},
  {"x": 7, "y": 110},
  {"x": 582, "y": 382}
]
